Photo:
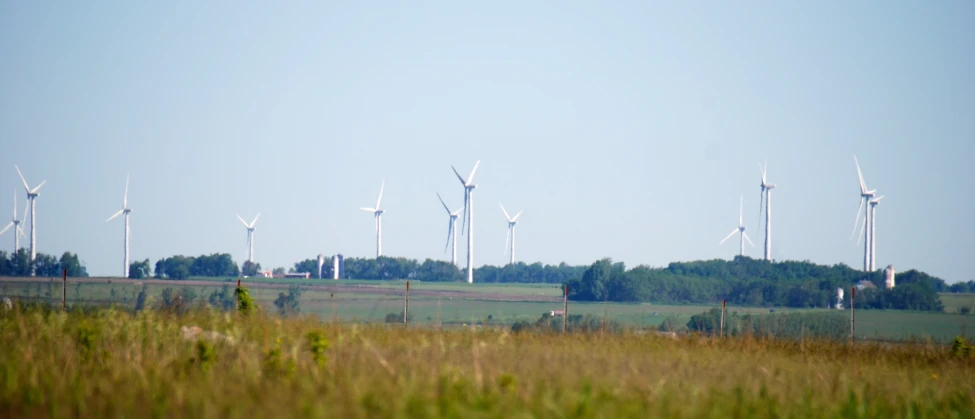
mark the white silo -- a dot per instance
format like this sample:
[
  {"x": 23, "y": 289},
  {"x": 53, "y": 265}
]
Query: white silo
[
  {"x": 321, "y": 263},
  {"x": 839, "y": 298},
  {"x": 335, "y": 267},
  {"x": 889, "y": 277}
]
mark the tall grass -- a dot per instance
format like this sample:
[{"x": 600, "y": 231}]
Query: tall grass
[{"x": 109, "y": 363}]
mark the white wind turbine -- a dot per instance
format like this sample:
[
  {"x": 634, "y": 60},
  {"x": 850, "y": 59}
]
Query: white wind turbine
[
  {"x": 250, "y": 236},
  {"x": 767, "y": 195},
  {"x": 740, "y": 229},
  {"x": 451, "y": 231},
  {"x": 865, "y": 196},
  {"x": 125, "y": 210},
  {"x": 379, "y": 220},
  {"x": 512, "y": 222},
  {"x": 469, "y": 209},
  {"x": 18, "y": 230},
  {"x": 873, "y": 232},
  {"x": 31, "y": 196}
]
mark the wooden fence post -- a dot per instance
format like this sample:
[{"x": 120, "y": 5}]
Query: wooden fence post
[
  {"x": 406, "y": 305},
  {"x": 565, "y": 305},
  {"x": 64, "y": 290},
  {"x": 723, "y": 304}
]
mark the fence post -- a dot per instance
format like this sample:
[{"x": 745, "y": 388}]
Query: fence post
[
  {"x": 853, "y": 324},
  {"x": 723, "y": 304},
  {"x": 406, "y": 305},
  {"x": 64, "y": 290},
  {"x": 565, "y": 305}
]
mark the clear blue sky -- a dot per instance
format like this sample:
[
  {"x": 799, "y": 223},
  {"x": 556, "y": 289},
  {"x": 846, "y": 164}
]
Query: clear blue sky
[{"x": 622, "y": 129}]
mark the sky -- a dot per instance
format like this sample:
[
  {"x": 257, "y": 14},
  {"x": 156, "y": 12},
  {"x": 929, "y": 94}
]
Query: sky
[{"x": 625, "y": 129}]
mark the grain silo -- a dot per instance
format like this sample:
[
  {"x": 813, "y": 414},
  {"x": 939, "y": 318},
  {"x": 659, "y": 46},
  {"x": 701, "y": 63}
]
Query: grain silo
[
  {"x": 337, "y": 266},
  {"x": 889, "y": 277},
  {"x": 321, "y": 263},
  {"x": 839, "y": 298}
]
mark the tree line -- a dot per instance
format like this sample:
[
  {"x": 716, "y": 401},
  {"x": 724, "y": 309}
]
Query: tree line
[
  {"x": 19, "y": 264},
  {"x": 751, "y": 282},
  {"x": 183, "y": 267}
]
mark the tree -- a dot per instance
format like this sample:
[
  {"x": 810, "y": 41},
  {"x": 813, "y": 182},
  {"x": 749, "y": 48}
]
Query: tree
[
  {"x": 309, "y": 266},
  {"x": 289, "y": 304},
  {"x": 70, "y": 262},
  {"x": 250, "y": 268},
  {"x": 278, "y": 271},
  {"x": 140, "y": 270}
]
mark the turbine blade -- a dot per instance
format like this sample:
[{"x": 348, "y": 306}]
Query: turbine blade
[
  {"x": 442, "y": 203},
  {"x": 125, "y": 198},
  {"x": 115, "y": 215},
  {"x": 15, "y": 206},
  {"x": 762, "y": 171},
  {"x": 26, "y": 188},
  {"x": 381, "y": 186},
  {"x": 242, "y": 221},
  {"x": 255, "y": 221},
  {"x": 516, "y": 216},
  {"x": 38, "y": 187},
  {"x": 862, "y": 227},
  {"x": 470, "y": 179},
  {"x": 26, "y": 208},
  {"x": 876, "y": 200},
  {"x": 506, "y": 216},
  {"x": 749, "y": 240},
  {"x": 462, "y": 181},
  {"x": 863, "y": 185},
  {"x": 450, "y": 229},
  {"x": 368, "y": 209},
  {"x": 856, "y": 222},
  {"x": 7, "y": 228},
  {"x": 729, "y": 236},
  {"x": 21, "y": 230}
]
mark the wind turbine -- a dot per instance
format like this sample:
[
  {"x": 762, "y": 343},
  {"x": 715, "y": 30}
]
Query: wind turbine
[
  {"x": 31, "y": 196},
  {"x": 250, "y": 236},
  {"x": 740, "y": 229},
  {"x": 451, "y": 231},
  {"x": 18, "y": 231},
  {"x": 512, "y": 222},
  {"x": 125, "y": 210},
  {"x": 873, "y": 232},
  {"x": 865, "y": 196},
  {"x": 767, "y": 194},
  {"x": 379, "y": 220},
  {"x": 469, "y": 209}
]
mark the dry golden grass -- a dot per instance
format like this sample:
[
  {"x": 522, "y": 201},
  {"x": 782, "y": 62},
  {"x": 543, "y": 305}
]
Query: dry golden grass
[{"x": 110, "y": 363}]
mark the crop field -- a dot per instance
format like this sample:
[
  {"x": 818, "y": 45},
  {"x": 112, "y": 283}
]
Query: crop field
[
  {"x": 439, "y": 304},
  {"x": 956, "y": 303},
  {"x": 205, "y": 363}
]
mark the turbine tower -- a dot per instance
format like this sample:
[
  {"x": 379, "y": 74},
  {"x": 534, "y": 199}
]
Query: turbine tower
[
  {"x": 451, "y": 231},
  {"x": 865, "y": 196},
  {"x": 250, "y": 236},
  {"x": 873, "y": 232},
  {"x": 125, "y": 210},
  {"x": 469, "y": 210},
  {"x": 767, "y": 195},
  {"x": 18, "y": 230},
  {"x": 379, "y": 221},
  {"x": 512, "y": 222},
  {"x": 740, "y": 229},
  {"x": 31, "y": 196}
]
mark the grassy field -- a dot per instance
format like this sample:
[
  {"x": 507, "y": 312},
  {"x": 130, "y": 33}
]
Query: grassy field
[
  {"x": 488, "y": 304},
  {"x": 955, "y": 302},
  {"x": 111, "y": 363}
]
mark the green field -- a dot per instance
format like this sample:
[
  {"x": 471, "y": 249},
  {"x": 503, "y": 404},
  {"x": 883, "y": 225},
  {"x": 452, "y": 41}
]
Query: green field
[
  {"x": 485, "y": 304},
  {"x": 954, "y": 303}
]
